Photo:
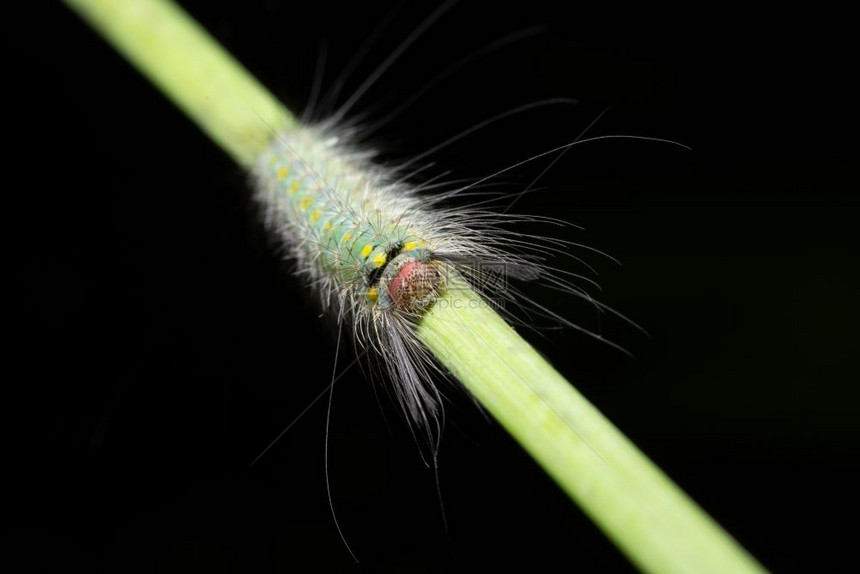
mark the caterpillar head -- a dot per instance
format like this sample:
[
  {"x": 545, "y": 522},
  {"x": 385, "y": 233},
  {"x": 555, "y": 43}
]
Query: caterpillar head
[{"x": 409, "y": 280}]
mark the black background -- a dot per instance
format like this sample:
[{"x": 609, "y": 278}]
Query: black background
[{"x": 156, "y": 343}]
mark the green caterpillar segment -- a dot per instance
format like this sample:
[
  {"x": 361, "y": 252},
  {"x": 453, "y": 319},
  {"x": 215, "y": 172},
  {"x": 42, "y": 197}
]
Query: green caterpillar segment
[
  {"x": 346, "y": 221},
  {"x": 366, "y": 243}
]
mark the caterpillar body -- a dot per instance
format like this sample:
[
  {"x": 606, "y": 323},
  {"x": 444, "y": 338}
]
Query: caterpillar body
[
  {"x": 358, "y": 237},
  {"x": 374, "y": 252}
]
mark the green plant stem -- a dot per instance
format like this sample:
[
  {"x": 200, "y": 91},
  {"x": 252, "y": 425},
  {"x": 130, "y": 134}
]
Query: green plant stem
[
  {"x": 189, "y": 66},
  {"x": 654, "y": 523},
  {"x": 647, "y": 516}
]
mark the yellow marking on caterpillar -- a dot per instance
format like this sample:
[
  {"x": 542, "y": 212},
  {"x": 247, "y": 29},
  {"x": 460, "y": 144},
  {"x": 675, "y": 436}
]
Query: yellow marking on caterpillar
[
  {"x": 410, "y": 245},
  {"x": 306, "y": 203},
  {"x": 315, "y": 215},
  {"x": 282, "y": 173},
  {"x": 379, "y": 260},
  {"x": 373, "y": 294},
  {"x": 366, "y": 250},
  {"x": 326, "y": 225},
  {"x": 294, "y": 187},
  {"x": 346, "y": 236}
]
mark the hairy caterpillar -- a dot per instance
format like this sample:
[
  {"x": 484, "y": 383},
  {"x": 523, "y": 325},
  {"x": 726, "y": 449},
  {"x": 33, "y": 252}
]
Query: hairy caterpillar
[{"x": 377, "y": 253}]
